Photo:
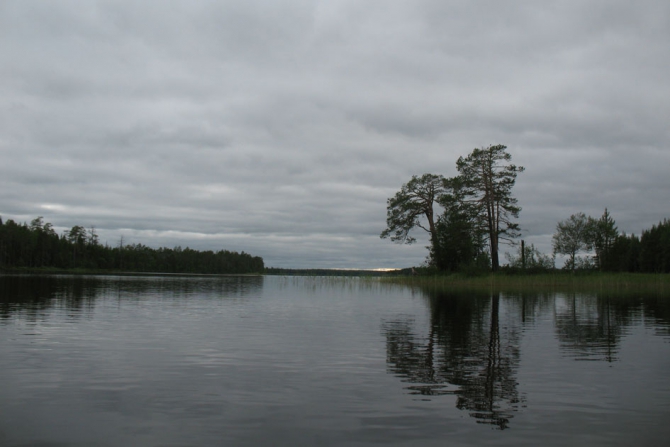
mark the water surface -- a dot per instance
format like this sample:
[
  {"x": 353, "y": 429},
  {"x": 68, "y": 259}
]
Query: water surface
[{"x": 192, "y": 361}]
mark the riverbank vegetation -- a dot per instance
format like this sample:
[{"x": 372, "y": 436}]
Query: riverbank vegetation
[
  {"x": 612, "y": 283},
  {"x": 37, "y": 247},
  {"x": 614, "y": 251},
  {"x": 275, "y": 271},
  {"x": 468, "y": 216}
]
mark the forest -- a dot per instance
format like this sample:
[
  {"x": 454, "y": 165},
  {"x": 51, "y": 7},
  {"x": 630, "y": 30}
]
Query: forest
[
  {"x": 37, "y": 245},
  {"x": 592, "y": 244},
  {"x": 468, "y": 217}
]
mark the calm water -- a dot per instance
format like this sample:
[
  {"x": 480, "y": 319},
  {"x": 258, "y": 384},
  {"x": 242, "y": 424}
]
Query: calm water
[{"x": 288, "y": 361}]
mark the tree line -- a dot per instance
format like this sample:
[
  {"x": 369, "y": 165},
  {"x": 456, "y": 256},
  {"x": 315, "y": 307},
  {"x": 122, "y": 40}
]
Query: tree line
[
  {"x": 614, "y": 251},
  {"x": 468, "y": 216},
  {"x": 37, "y": 245}
]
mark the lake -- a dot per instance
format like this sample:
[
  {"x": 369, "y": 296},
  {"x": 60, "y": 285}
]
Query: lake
[{"x": 298, "y": 361}]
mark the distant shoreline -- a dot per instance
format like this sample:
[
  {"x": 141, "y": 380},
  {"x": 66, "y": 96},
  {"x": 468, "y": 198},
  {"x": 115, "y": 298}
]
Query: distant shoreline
[
  {"x": 520, "y": 282},
  {"x": 52, "y": 271}
]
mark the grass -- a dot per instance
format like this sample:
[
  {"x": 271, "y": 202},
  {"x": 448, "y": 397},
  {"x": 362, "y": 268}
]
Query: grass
[{"x": 560, "y": 281}]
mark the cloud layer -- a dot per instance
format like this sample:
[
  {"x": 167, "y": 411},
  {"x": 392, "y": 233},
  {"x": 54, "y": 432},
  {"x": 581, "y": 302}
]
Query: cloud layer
[{"x": 281, "y": 129}]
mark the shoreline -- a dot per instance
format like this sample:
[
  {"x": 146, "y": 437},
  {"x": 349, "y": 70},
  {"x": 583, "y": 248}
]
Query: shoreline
[{"x": 560, "y": 281}]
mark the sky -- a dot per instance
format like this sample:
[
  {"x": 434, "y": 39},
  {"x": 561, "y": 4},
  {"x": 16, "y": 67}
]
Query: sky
[{"x": 281, "y": 128}]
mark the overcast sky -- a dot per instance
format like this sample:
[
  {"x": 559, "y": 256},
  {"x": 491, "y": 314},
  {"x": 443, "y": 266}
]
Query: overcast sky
[{"x": 281, "y": 127}]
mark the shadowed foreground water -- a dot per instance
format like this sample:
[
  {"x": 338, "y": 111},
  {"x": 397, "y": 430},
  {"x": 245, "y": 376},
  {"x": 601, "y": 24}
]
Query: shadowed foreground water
[{"x": 186, "y": 361}]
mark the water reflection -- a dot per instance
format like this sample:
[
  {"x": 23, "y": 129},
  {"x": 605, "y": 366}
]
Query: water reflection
[
  {"x": 591, "y": 327},
  {"x": 33, "y": 296},
  {"x": 292, "y": 361},
  {"x": 470, "y": 348},
  {"x": 470, "y": 351}
]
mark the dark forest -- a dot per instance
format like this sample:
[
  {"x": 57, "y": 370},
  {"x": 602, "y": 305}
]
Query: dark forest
[{"x": 37, "y": 246}]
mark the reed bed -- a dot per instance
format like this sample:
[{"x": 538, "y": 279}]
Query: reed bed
[{"x": 605, "y": 282}]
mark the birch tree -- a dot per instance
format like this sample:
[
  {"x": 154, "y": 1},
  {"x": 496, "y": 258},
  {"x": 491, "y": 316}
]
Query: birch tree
[{"x": 572, "y": 236}]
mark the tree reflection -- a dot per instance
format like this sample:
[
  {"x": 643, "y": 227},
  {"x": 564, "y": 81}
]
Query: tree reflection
[
  {"x": 33, "y": 296},
  {"x": 657, "y": 314},
  {"x": 470, "y": 346},
  {"x": 467, "y": 352},
  {"x": 590, "y": 327}
]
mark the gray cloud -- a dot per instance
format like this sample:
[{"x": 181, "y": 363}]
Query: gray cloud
[{"x": 281, "y": 130}]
